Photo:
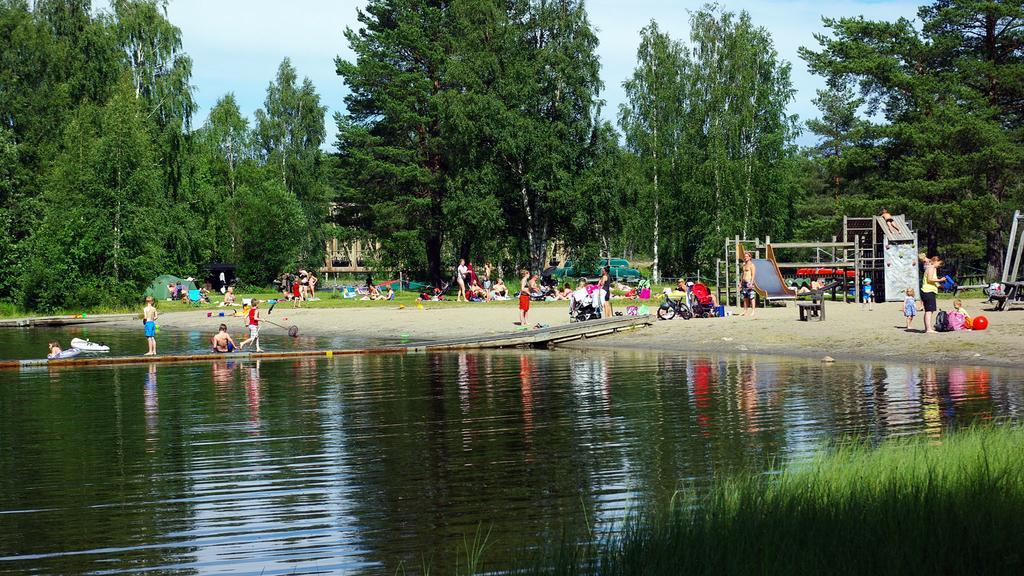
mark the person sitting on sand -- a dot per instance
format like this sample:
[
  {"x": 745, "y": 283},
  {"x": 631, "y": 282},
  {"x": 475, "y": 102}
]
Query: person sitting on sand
[
  {"x": 54, "y": 349},
  {"x": 534, "y": 287},
  {"x": 229, "y": 297},
  {"x": 222, "y": 341},
  {"x": 958, "y": 306},
  {"x": 499, "y": 291},
  {"x": 477, "y": 292},
  {"x": 285, "y": 282}
]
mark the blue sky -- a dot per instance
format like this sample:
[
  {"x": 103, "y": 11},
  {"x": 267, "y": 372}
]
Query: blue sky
[{"x": 237, "y": 45}]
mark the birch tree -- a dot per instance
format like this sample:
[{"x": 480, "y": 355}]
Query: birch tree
[{"x": 651, "y": 118}]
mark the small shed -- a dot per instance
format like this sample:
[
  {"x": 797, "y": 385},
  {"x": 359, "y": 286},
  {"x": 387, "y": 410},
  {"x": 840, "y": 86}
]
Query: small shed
[{"x": 220, "y": 275}]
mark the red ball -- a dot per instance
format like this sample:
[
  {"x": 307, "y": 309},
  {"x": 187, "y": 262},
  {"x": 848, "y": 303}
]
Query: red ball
[{"x": 979, "y": 323}]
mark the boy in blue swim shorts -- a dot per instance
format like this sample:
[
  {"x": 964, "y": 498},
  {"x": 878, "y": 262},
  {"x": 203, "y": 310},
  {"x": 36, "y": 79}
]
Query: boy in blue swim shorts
[{"x": 149, "y": 316}]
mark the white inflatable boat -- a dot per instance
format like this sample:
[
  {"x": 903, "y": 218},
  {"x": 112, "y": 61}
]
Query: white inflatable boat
[{"x": 89, "y": 346}]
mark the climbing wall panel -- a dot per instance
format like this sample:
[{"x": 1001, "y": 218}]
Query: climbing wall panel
[{"x": 900, "y": 268}]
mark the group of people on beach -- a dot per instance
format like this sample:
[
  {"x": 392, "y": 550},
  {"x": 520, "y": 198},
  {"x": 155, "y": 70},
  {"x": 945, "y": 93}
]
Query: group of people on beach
[
  {"x": 530, "y": 288},
  {"x": 371, "y": 291},
  {"x": 929, "y": 288},
  {"x": 474, "y": 287},
  {"x": 298, "y": 288},
  {"x": 180, "y": 292}
]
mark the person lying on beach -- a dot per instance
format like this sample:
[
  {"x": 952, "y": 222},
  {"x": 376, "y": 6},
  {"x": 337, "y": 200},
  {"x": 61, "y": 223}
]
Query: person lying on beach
[
  {"x": 890, "y": 221},
  {"x": 222, "y": 341}
]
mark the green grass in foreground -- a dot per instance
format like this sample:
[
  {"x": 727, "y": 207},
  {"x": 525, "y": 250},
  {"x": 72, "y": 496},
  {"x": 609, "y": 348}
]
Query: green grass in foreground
[{"x": 908, "y": 507}]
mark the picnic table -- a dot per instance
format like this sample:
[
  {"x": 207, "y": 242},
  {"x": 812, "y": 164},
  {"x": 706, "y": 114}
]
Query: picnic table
[
  {"x": 816, "y": 307},
  {"x": 1014, "y": 295}
]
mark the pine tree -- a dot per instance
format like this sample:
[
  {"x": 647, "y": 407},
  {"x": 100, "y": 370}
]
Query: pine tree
[{"x": 391, "y": 141}]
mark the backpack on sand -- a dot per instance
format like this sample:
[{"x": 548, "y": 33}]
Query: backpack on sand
[
  {"x": 942, "y": 322},
  {"x": 957, "y": 320}
]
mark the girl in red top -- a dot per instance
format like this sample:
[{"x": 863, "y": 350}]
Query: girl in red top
[{"x": 253, "y": 320}]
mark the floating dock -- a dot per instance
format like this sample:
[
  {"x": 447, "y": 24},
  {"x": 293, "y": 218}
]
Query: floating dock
[
  {"x": 66, "y": 320},
  {"x": 539, "y": 338}
]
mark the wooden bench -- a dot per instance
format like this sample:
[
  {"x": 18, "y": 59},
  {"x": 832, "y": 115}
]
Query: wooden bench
[{"x": 813, "y": 309}]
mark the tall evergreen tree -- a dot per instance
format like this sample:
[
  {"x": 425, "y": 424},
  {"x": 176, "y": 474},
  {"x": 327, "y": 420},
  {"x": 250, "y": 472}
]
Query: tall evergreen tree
[
  {"x": 391, "y": 137},
  {"x": 984, "y": 43},
  {"x": 948, "y": 152}
]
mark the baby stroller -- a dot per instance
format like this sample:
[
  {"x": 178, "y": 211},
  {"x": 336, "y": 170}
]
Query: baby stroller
[
  {"x": 701, "y": 303},
  {"x": 581, "y": 307}
]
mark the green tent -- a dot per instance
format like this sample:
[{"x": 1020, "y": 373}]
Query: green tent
[{"x": 158, "y": 288}]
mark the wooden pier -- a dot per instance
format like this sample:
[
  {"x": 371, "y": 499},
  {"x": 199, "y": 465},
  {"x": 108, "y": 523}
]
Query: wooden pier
[
  {"x": 65, "y": 320},
  {"x": 539, "y": 338}
]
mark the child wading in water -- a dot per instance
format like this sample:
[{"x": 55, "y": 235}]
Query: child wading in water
[
  {"x": 253, "y": 320},
  {"x": 222, "y": 341},
  {"x": 149, "y": 316},
  {"x": 909, "y": 307}
]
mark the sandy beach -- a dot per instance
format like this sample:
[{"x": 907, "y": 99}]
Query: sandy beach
[{"x": 849, "y": 332}]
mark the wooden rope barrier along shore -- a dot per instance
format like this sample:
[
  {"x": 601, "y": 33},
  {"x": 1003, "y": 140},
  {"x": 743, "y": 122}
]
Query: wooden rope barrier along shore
[{"x": 539, "y": 338}]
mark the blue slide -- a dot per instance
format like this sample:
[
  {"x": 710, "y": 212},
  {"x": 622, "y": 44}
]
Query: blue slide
[{"x": 768, "y": 280}]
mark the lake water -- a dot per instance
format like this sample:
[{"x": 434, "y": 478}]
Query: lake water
[{"x": 362, "y": 465}]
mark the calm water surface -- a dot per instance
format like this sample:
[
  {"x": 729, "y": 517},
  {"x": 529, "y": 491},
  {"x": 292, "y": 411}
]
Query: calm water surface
[
  {"x": 363, "y": 464},
  {"x": 20, "y": 343}
]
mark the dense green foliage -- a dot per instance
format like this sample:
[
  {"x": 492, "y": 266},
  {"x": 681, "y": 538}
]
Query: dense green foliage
[
  {"x": 103, "y": 181},
  {"x": 470, "y": 128},
  {"x": 710, "y": 130},
  {"x": 473, "y": 128},
  {"x": 909, "y": 507},
  {"x": 937, "y": 129}
]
